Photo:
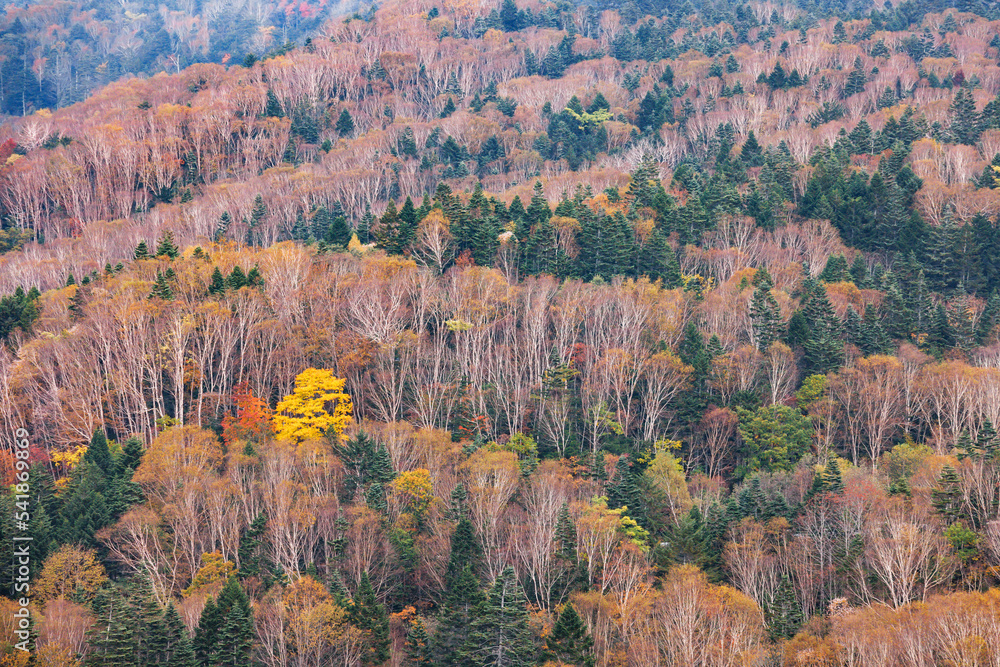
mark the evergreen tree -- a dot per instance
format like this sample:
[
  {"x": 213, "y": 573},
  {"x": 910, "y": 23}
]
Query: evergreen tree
[
  {"x": 964, "y": 118},
  {"x": 418, "y": 647},
  {"x": 273, "y": 109},
  {"x": 499, "y": 635},
  {"x": 784, "y": 614},
  {"x": 449, "y": 107},
  {"x": 832, "y": 481},
  {"x": 225, "y": 630},
  {"x": 824, "y": 350},
  {"x": 751, "y": 153},
  {"x": 217, "y": 285},
  {"x": 237, "y": 278},
  {"x": 765, "y": 317},
  {"x": 369, "y": 616},
  {"x": 345, "y": 124},
  {"x": 166, "y": 247},
  {"x": 947, "y": 496},
  {"x": 141, "y": 251},
  {"x": 224, "y": 221},
  {"x": 569, "y": 642},
  {"x": 873, "y": 337},
  {"x": 98, "y": 453}
]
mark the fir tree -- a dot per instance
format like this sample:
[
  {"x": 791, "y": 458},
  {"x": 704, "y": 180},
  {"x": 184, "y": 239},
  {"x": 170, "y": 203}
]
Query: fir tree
[
  {"x": 161, "y": 288},
  {"x": 784, "y": 614},
  {"x": 370, "y": 617},
  {"x": 141, "y": 251},
  {"x": 218, "y": 283},
  {"x": 166, "y": 247},
  {"x": 499, "y": 635},
  {"x": 345, "y": 124},
  {"x": 569, "y": 642},
  {"x": 765, "y": 317},
  {"x": 947, "y": 496},
  {"x": 449, "y": 108},
  {"x": 98, "y": 453},
  {"x": 418, "y": 648}
]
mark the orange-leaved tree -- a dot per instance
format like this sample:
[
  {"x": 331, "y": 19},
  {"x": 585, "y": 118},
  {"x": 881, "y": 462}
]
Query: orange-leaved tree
[
  {"x": 250, "y": 423},
  {"x": 318, "y": 405}
]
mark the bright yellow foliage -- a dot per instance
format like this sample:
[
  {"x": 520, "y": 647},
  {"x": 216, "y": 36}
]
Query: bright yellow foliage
[
  {"x": 305, "y": 413},
  {"x": 69, "y": 570},
  {"x": 68, "y": 460},
  {"x": 414, "y": 491},
  {"x": 214, "y": 569}
]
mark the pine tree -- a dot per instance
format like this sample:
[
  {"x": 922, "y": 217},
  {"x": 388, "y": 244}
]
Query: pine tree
[
  {"x": 141, "y": 251},
  {"x": 569, "y": 641},
  {"x": 224, "y": 221},
  {"x": 499, "y": 636},
  {"x": 370, "y": 617}
]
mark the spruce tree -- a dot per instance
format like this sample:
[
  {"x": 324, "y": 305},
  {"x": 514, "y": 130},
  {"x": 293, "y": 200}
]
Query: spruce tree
[
  {"x": 784, "y": 614},
  {"x": 98, "y": 452},
  {"x": 166, "y": 247},
  {"x": 225, "y": 631},
  {"x": 418, "y": 648},
  {"x": 218, "y": 283},
  {"x": 141, "y": 251},
  {"x": 369, "y": 616},
  {"x": 947, "y": 496},
  {"x": 345, "y": 123},
  {"x": 765, "y": 316},
  {"x": 569, "y": 641},
  {"x": 874, "y": 338},
  {"x": 499, "y": 635},
  {"x": 237, "y": 278},
  {"x": 824, "y": 350},
  {"x": 449, "y": 108}
]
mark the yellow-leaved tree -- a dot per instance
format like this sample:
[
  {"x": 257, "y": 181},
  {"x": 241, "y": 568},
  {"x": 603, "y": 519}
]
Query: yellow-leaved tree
[{"x": 317, "y": 406}]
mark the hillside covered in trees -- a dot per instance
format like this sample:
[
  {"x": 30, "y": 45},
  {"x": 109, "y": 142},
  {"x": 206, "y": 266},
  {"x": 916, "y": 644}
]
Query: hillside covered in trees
[{"x": 503, "y": 333}]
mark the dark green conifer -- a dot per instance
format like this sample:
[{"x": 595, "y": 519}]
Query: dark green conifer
[
  {"x": 369, "y": 616},
  {"x": 499, "y": 634},
  {"x": 569, "y": 642}
]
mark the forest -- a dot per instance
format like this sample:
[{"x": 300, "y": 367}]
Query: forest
[{"x": 507, "y": 333}]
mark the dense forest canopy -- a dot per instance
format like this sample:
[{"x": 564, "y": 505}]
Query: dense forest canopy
[
  {"x": 56, "y": 52},
  {"x": 502, "y": 333}
]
